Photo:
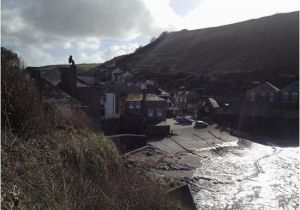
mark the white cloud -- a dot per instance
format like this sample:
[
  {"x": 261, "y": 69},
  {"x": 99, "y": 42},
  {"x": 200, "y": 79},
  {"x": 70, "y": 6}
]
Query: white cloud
[
  {"x": 90, "y": 43},
  {"x": 211, "y": 13},
  {"x": 95, "y": 57},
  {"x": 35, "y": 57},
  {"x": 164, "y": 17},
  {"x": 77, "y": 26},
  {"x": 11, "y": 21},
  {"x": 88, "y": 18},
  {"x": 106, "y": 54},
  {"x": 67, "y": 45},
  {"x": 116, "y": 50}
]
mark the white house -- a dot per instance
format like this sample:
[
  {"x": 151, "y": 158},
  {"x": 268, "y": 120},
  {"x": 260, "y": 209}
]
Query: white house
[{"x": 108, "y": 105}]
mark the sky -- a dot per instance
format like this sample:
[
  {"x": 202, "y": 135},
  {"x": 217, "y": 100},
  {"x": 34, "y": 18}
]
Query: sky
[{"x": 45, "y": 32}]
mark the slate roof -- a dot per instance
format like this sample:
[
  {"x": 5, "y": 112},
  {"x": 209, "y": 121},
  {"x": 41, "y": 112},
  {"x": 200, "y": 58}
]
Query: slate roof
[
  {"x": 234, "y": 104},
  {"x": 81, "y": 84},
  {"x": 53, "y": 95},
  {"x": 213, "y": 103},
  {"x": 139, "y": 97},
  {"x": 87, "y": 80},
  {"x": 266, "y": 87},
  {"x": 164, "y": 93},
  {"x": 293, "y": 87}
]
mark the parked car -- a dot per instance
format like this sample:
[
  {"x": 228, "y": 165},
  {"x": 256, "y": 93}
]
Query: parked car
[
  {"x": 200, "y": 124},
  {"x": 184, "y": 120},
  {"x": 187, "y": 121}
]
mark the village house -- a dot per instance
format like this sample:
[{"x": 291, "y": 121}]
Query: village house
[
  {"x": 149, "y": 107},
  {"x": 171, "y": 108},
  {"x": 207, "y": 107},
  {"x": 125, "y": 76},
  {"x": 100, "y": 100},
  {"x": 149, "y": 85},
  {"x": 262, "y": 94},
  {"x": 111, "y": 73},
  {"x": 264, "y": 109},
  {"x": 186, "y": 101},
  {"x": 290, "y": 94}
]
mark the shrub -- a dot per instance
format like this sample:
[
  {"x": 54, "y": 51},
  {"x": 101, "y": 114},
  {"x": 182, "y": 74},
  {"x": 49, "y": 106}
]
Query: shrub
[
  {"x": 68, "y": 117},
  {"x": 72, "y": 170},
  {"x": 21, "y": 107}
]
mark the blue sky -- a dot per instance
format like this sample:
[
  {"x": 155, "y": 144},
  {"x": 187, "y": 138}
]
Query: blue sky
[{"x": 46, "y": 32}]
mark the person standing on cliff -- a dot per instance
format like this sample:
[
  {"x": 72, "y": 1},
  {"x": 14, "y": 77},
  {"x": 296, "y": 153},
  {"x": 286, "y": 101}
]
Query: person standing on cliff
[{"x": 71, "y": 60}]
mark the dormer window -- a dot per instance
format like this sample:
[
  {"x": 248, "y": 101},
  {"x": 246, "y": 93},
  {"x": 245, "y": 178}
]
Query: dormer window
[
  {"x": 252, "y": 96},
  {"x": 138, "y": 104},
  {"x": 131, "y": 104},
  {"x": 285, "y": 96},
  {"x": 159, "y": 112},
  {"x": 150, "y": 112},
  {"x": 294, "y": 96},
  {"x": 271, "y": 97}
]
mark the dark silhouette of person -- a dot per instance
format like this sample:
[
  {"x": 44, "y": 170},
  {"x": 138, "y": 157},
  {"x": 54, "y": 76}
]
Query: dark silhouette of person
[{"x": 71, "y": 60}]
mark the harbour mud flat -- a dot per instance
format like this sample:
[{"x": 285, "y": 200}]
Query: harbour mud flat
[{"x": 224, "y": 171}]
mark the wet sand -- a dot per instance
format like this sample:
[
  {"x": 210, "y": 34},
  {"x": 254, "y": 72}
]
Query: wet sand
[{"x": 224, "y": 171}]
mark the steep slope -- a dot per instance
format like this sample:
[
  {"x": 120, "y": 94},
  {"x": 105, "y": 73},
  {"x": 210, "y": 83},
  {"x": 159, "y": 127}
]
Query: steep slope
[{"x": 269, "y": 45}]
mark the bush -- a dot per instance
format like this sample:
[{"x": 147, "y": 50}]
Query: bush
[
  {"x": 67, "y": 117},
  {"x": 72, "y": 170},
  {"x": 21, "y": 107}
]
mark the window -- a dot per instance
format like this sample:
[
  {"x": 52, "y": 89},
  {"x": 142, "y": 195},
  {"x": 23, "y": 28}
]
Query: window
[
  {"x": 138, "y": 105},
  {"x": 131, "y": 104},
  {"x": 150, "y": 112},
  {"x": 262, "y": 94},
  {"x": 252, "y": 96},
  {"x": 271, "y": 97},
  {"x": 159, "y": 112},
  {"x": 206, "y": 109},
  {"x": 104, "y": 98},
  {"x": 102, "y": 110},
  {"x": 285, "y": 96},
  {"x": 294, "y": 96}
]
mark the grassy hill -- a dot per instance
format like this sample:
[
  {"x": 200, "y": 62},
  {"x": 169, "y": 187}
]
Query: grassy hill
[{"x": 262, "y": 49}]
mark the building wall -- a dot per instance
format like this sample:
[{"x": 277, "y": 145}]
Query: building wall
[
  {"x": 92, "y": 98},
  {"x": 110, "y": 104},
  {"x": 69, "y": 79},
  {"x": 155, "y": 106},
  {"x": 131, "y": 110},
  {"x": 262, "y": 96}
]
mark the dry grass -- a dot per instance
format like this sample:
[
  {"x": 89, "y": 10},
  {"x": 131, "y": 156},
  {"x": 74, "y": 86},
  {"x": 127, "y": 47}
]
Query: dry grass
[
  {"x": 21, "y": 107},
  {"x": 69, "y": 118},
  {"x": 72, "y": 170}
]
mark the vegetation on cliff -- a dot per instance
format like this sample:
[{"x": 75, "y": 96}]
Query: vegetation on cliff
[{"x": 54, "y": 160}]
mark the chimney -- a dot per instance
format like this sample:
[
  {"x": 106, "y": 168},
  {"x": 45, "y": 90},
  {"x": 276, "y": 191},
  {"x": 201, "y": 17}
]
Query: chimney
[{"x": 68, "y": 77}]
